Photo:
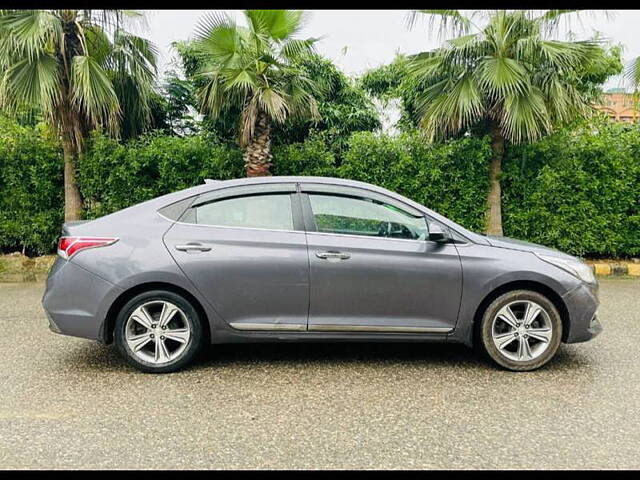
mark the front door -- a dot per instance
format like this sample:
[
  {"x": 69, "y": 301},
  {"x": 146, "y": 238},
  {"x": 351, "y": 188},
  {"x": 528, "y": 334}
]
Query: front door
[{"x": 372, "y": 267}]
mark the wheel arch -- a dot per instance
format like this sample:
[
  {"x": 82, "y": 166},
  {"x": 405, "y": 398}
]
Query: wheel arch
[
  {"x": 532, "y": 285},
  {"x": 124, "y": 297}
]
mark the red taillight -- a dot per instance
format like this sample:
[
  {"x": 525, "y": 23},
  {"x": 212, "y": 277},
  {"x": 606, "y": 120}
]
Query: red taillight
[{"x": 68, "y": 246}]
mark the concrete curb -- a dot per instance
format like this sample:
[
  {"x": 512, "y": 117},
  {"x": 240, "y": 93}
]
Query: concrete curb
[
  {"x": 621, "y": 269},
  {"x": 18, "y": 268}
]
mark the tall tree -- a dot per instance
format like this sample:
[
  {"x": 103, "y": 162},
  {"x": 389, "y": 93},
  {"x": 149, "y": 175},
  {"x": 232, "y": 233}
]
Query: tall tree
[
  {"x": 633, "y": 76},
  {"x": 509, "y": 78},
  {"x": 633, "y": 73},
  {"x": 253, "y": 69},
  {"x": 343, "y": 104},
  {"x": 82, "y": 70}
]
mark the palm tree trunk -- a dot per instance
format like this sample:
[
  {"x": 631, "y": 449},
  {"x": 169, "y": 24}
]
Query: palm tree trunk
[
  {"x": 257, "y": 153},
  {"x": 494, "y": 199},
  {"x": 72, "y": 199}
]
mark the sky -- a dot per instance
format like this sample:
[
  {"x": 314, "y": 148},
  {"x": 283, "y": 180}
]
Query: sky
[{"x": 357, "y": 40}]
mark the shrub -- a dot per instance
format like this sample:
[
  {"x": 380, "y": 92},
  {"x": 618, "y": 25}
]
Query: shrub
[
  {"x": 450, "y": 178},
  {"x": 31, "y": 186},
  {"x": 113, "y": 175},
  {"x": 578, "y": 191},
  {"x": 312, "y": 157}
]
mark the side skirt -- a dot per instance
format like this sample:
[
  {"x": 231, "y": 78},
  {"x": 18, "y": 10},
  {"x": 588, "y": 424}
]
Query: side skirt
[{"x": 277, "y": 327}]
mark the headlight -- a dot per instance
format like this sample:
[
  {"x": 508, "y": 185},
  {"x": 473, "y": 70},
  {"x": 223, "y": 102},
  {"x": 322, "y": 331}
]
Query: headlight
[{"x": 574, "y": 267}]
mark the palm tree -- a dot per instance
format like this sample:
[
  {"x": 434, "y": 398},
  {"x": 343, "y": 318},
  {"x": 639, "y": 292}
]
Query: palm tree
[
  {"x": 633, "y": 75},
  {"x": 82, "y": 70},
  {"x": 253, "y": 70},
  {"x": 509, "y": 78}
]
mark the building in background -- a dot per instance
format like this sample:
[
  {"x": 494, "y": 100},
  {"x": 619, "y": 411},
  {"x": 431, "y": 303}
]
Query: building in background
[{"x": 620, "y": 106}]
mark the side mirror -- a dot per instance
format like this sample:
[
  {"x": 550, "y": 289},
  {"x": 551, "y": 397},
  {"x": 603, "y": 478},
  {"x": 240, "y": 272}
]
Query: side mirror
[{"x": 437, "y": 233}]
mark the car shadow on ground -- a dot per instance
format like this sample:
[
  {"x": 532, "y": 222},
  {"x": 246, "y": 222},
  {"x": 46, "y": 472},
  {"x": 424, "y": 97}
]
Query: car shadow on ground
[{"x": 430, "y": 355}]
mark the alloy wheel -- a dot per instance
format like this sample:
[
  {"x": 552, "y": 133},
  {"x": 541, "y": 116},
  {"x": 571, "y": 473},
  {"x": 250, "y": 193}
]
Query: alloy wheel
[
  {"x": 522, "y": 330},
  {"x": 157, "y": 332}
]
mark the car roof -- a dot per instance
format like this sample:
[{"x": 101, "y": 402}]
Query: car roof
[{"x": 288, "y": 179}]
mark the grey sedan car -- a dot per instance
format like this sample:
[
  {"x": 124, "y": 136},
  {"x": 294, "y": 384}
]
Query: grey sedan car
[{"x": 307, "y": 259}]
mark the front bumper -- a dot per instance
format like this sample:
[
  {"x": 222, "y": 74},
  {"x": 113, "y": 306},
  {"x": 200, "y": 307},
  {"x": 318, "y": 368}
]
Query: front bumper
[{"x": 582, "y": 304}]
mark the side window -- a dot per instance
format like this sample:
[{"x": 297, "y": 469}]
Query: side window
[
  {"x": 273, "y": 212},
  {"x": 362, "y": 216}
]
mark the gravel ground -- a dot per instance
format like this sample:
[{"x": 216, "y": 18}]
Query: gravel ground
[{"x": 72, "y": 403}]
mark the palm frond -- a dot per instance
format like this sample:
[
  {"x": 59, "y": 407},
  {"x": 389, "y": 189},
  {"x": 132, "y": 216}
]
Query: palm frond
[
  {"x": 450, "y": 22},
  {"x": 501, "y": 76},
  {"x": 294, "y": 49},
  {"x": 273, "y": 103},
  {"x": 28, "y": 32},
  {"x": 218, "y": 38},
  {"x": 31, "y": 81},
  {"x": 248, "y": 118},
  {"x": 524, "y": 116},
  {"x": 632, "y": 73},
  {"x": 93, "y": 93},
  {"x": 450, "y": 106},
  {"x": 276, "y": 24},
  {"x": 240, "y": 79}
]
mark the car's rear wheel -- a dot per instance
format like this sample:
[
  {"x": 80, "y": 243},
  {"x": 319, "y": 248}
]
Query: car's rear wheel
[
  {"x": 521, "y": 330},
  {"x": 158, "y": 332}
]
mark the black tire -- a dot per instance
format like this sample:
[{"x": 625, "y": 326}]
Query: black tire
[
  {"x": 194, "y": 344},
  {"x": 491, "y": 350}
]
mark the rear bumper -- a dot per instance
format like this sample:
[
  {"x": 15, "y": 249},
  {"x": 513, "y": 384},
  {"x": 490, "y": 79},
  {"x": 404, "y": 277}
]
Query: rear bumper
[
  {"x": 582, "y": 305},
  {"x": 75, "y": 300}
]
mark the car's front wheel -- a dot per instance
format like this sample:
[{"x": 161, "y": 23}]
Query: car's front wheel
[
  {"x": 158, "y": 331},
  {"x": 521, "y": 330}
]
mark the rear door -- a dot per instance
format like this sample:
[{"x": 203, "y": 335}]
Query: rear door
[
  {"x": 372, "y": 267},
  {"x": 244, "y": 248}
]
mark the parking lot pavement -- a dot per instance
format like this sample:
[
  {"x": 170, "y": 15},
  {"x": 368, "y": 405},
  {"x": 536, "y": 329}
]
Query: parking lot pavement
[{"x": 72, "y": 403}]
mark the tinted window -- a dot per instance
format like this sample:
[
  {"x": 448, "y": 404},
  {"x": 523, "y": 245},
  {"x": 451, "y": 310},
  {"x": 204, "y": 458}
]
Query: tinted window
[
  {"x": 174, "y": 210},
  {"x": 361, "y": 216},
  {"x": 256, "y": 211}
]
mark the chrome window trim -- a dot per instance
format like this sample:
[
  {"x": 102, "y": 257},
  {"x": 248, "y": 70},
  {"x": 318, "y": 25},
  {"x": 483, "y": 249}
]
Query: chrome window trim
[
  {"x": 463, "y": 244},
  {"x": 233, "y": 228},
  {"x": 299, "y": 188},
  {"x": 348, "y": 235}
]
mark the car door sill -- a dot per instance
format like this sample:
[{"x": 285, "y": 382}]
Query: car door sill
[
  {"x": 377, "y": 328},
  {"x": 291, "y": 327}
]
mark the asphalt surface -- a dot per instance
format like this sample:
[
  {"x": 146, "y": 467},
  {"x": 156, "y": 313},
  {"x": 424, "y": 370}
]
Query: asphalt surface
[{"x": 72, "y": 403}]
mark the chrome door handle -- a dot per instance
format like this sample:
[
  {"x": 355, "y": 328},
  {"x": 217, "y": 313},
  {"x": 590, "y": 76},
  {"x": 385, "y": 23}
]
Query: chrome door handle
[
  {"x": 192, "y": 246},
  {"x": 337, "y": 255}
]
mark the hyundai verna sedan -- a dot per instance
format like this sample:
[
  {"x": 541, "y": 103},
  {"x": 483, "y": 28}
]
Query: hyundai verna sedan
[{"x": 274, "y": 259}]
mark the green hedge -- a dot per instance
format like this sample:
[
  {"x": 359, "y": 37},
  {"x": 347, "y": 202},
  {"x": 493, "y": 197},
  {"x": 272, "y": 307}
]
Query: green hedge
[
  {"x": 578, "y": 190},
  {"x": 450, "y": 178},
  {"x": 31, "y": 188},
  {"x": 113, "y": 176}
]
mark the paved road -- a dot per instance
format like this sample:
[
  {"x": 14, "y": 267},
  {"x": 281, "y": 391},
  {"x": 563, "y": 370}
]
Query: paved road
[{"x": 71, "y": 403}]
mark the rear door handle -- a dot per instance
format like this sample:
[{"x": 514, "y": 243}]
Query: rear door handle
[
  {"x": 336, "y": 255},
  {"x": 193, "y": 247}
]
